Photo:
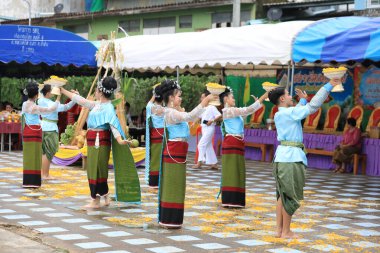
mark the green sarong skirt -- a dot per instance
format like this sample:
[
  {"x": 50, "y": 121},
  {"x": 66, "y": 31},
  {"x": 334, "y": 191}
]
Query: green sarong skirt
[
  {"x": 172, "y": 184},
  {"x": 98, "y": 154},
  {"x": 32, "y": 156},
  {"x": 50, "y": 144},
  {"x": 290, "y": 181},
  {"x": 156, "y": 136},
  {"x": 233, "y": 172}
]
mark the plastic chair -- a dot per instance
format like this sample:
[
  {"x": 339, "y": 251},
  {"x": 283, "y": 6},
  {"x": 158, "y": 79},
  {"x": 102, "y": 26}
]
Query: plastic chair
[
  {"x": 332, "y": 118},
  {"x": 356, "y": 113},
  {"x": 312, "y": 120}
]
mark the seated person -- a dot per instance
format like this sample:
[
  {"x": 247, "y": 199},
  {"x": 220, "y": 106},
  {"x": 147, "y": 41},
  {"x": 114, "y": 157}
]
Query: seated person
[
  {"x": 142, "y": 118},
  {"x": 127, "y": 114},
  {"x": 8, "y": 109},
  {"x": 350, "y": 145}
]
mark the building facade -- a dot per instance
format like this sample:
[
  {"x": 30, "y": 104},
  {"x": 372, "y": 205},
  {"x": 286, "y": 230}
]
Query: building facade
[
  {"x": 147, "y": 17},
  {"x": 369, "y": 8},
  {"x": 287, "y": 10},
  {"x": 19, "y": 9},
  {"x": 138, "y": 17}
]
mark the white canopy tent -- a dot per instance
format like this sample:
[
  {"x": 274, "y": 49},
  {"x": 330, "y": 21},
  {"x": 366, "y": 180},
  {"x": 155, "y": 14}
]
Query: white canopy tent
[{"x": 230, "y": 48}]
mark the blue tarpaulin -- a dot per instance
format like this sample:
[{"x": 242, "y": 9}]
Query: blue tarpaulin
[
  {"x": 339, "y": 39},
  {"x": 37, "y": 45}
]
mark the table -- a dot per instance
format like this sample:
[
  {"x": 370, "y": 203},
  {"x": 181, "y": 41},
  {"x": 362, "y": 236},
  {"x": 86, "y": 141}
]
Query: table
[
  {"x": 370, "y": 147},
  {"x": 8, "y": 128}
]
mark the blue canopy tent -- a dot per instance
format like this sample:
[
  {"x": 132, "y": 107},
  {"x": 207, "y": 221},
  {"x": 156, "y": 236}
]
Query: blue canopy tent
[
  {"x": 339, "y": 40},
  {"x": 344, "y": 40},
  {"x": 37, "y": 45}
]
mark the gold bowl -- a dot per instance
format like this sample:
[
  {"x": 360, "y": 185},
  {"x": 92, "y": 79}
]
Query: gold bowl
[
  {"x": 56, "y": 91},
  {"x": 215, "y": 89},
  {"x": 335, "y": 73},
  {"x": 268, "y": 86}
]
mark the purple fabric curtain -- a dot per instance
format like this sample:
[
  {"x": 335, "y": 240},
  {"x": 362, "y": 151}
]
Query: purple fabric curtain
[
  {"x": 371, "y": 147},
  {"x": 69, "y": 161}
]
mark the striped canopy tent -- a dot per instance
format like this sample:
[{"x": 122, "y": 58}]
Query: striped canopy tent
[
  {"x": 338, "y": 40},
  {"x": 343, "y": 40},
  {"x": 213, "y": 49}
]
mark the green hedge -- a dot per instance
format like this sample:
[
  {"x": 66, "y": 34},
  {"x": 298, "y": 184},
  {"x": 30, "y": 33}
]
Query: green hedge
[
  {"x": 10, "y": 88},
  {"x": 192, "y": 87},
  {"x": 137, "y": 96}
]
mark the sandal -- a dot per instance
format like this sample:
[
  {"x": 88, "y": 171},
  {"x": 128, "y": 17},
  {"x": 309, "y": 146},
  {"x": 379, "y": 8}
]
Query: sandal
[
  {"x": 196, "y": 166},
  {"x": 341, "y": 170},
  {"x": 337, "y": 169}
]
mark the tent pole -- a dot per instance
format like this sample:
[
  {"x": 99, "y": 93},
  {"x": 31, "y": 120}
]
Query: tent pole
[
  {"x": 177, "y": 68},
  {"x": 223, "y": 73},
  {"x": 288, "y": 77},
  {"x": 292, "y": 82}
]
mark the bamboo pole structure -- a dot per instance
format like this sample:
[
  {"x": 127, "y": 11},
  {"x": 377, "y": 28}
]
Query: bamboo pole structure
[
  {"x": 120, "y": 109},
  {"x": 110, "y": 54},
  {"x": 85, "y": 111}
]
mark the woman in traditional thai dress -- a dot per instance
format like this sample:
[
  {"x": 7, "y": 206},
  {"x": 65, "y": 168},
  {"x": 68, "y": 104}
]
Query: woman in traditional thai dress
[
  {"x": 101, "y": 119},
  {"x": 154, "y": 136},
  {"x": 49, "y": 126},
  {"x": 32, "y": 136},
  {"x": 233, "y": 161},
  {"x": 173, "y": 169}
]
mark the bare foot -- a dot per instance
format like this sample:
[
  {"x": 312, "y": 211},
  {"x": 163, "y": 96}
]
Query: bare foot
[
  {"x": 341, "y": 170},
  {"x": 278, "y": 233},
  {"x": 95, "y": 203},
  {"x": 48, "y": 178},
  {"x": 214, "y": 167},
  {"x": 289, "y": 235},
  {"x": 337, "y": 169},
  {"x": 107, "y": 200},
  {"x": 197, "y": 166}
]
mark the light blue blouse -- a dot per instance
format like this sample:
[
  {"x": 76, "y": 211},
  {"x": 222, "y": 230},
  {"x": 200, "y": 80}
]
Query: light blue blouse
[
  {"x": 289, "y": 128},
  {"x": 51, "y": 126}
]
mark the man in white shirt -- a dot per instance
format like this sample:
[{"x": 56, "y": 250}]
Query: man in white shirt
[{"x": 206, "y": 153}]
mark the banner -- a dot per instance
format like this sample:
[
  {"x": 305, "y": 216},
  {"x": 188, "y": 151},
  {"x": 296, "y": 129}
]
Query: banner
[
  {"x": 312, "y": 79},
  {"x": 370, "y": 88}
]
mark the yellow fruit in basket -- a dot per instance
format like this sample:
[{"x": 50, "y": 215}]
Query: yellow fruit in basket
[
  {"x": 58, "y": 78},
  {"x": 327, "y": 70},
  {"x": 215, "y": 86},
  {"x": 270, "y": 84}
]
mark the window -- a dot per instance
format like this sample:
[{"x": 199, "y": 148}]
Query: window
[
  {"x": 151, "y": 23},
  {"x": 159, "y": 25},
  {"x": 221, "y": 17},
  {"x": 374, "y": 3},
  {"x": 102, "y": 37},
  {"x": 224, "y": 19},
  {"x": 159, "y": 22},
  {"x": 186, "y": 21},
  {"x": 81, "y": 30},
  {"x": 245, "y": 16},
  {"x": 77, "y": 28},
  {"x": 130, "y": 25}
]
